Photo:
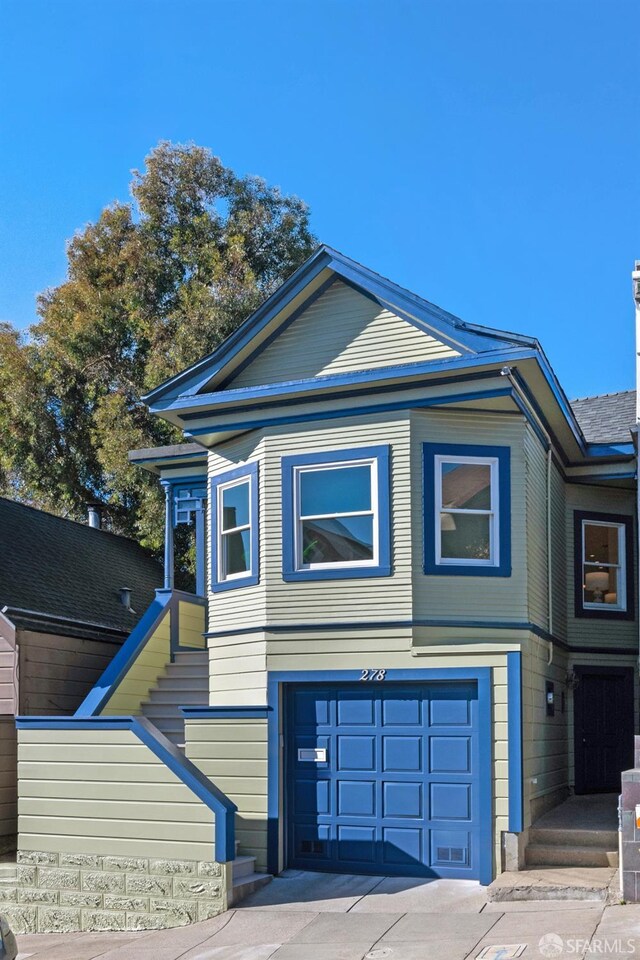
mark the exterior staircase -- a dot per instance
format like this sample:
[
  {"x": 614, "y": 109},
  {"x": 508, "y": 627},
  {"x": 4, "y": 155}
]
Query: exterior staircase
[
  {"x": 185, "y": 682},
  {"x": 582, "y": 832}
]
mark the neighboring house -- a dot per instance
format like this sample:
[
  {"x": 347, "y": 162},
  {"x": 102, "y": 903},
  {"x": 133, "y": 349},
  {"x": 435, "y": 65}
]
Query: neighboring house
[
  {"x": 62, "y": 618},
  {"x": 422, "y": 610}
]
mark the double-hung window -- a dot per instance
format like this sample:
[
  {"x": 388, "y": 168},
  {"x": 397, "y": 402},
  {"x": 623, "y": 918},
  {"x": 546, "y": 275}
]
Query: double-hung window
[
  {"x": 336, "y": 514},
  {"x": 603, "y": 567},
  {"x": 234, "y": 528},
  {"x": 467, "y": 510}
]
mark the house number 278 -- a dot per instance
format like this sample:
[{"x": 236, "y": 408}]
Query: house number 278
[{"x": 373, "y": 675}]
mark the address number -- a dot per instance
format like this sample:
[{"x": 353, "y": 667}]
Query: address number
[{"x": 373, "y": 675}]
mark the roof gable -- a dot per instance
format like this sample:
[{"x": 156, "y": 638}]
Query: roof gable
[
  {"x": 341, "y": 330},
  {"x": 296, "y": 294}
]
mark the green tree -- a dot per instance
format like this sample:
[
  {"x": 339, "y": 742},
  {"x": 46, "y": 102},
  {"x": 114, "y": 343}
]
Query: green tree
[{"x": 152, "y": 286}]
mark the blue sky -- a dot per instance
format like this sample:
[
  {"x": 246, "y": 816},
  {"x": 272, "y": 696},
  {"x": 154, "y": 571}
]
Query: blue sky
[{"x": 482, "y": 153}]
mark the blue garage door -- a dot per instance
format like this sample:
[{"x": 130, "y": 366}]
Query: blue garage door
[{"x": 384, "y": 778}]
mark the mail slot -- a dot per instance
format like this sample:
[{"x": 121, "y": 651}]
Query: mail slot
[{"x": 313, "y": 754}]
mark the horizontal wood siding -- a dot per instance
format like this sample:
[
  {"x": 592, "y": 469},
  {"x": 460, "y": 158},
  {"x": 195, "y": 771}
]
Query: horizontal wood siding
[
  {"x": 342, "y": 331},
  {"x": 560, "y": 559},
  {"x": 144, "y": 674},
  {"x": 536, "y": 514},
  {"x": 191, "y": 619},
  {"x": 233, "y": 753},
  {"x": 475, "y": 598},
  {"x": 582, "y": 630},
  {"x": 104, "y": 792},
  {"x": 8, "y": 667},
  {"x": 56, "y": 673},
  {"x": 8, "y": 777}
]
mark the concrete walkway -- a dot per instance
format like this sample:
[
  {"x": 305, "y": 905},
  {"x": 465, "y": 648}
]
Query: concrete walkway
[{"x": 307, "y": 916}]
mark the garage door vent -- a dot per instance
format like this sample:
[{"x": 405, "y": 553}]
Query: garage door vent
[
  {"x": 312, "y": 846},
  {"x": 451, "y": 854}
]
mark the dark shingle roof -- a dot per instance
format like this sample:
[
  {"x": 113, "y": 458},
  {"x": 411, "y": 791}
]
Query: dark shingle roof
[
  {"x": 69, "y": 571},
  {"x": 607, "y": 418}
]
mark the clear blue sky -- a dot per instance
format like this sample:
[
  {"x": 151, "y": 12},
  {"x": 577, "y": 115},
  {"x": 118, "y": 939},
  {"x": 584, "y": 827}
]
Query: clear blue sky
[{"x": 484, "y": 154}]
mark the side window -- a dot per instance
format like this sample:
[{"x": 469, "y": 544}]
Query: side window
[
  {"x": 603, "y": 565},
  {"x": 467, "y": 510},
  {"x": 336, "y": 514},
  {"x": 234, "y": 528}
]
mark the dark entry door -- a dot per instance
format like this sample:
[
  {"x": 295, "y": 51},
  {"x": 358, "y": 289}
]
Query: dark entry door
[{"x": 604, "y": 727}]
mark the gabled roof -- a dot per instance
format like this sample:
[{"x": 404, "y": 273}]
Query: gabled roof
[
  {"x": 57, "y": 572},
  {"x": 324, "y": 266},
  {"x": 608, "y": 418}
]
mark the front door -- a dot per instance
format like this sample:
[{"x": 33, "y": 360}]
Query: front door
[{"x": 603, "y": 727}]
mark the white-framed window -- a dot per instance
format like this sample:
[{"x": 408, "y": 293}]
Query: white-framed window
[
  {"x": 467, "y": 511},
  {"x": 604, "y": 575},
  {"x": 336, "y": 514},
  {"x": 234, "y": 528}
]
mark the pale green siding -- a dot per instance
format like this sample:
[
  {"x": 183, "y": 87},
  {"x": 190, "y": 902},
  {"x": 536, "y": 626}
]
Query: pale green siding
[
  {"x": 143, "y": 675},
  {"x": 8, "y": 787},
  {"x": 103, "y": 792},
  {"x": 342, "y": 331}
]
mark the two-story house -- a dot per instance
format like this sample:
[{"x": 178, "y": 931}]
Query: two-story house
[{"x": 419, "y": 563}]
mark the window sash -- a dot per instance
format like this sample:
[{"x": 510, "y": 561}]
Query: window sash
[
  {"x": 299, "y": 517},
  {"x": 223, "y": 574},
  {"x": 493, "y": 513},
  {"x": 620, "y": 568}
]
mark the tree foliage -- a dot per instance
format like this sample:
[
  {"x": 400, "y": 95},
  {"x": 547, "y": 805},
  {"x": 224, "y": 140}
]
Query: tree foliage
[{"x": 152, "y": 286}]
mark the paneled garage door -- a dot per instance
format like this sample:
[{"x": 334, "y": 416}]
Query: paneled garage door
[{"x": 384, "y": 778}]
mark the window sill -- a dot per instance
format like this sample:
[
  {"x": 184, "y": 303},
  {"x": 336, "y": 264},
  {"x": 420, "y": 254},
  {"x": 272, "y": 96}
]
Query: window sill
[
  {"x": 462, "y": 570},
  {"x": 236, "y": 584},
  {"x": 587, "y": 613},
  {"x": 337, "y": 573}
]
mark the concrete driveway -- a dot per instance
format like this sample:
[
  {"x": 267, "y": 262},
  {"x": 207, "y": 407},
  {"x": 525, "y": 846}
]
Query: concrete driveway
[{"x": 312, "y": 916}]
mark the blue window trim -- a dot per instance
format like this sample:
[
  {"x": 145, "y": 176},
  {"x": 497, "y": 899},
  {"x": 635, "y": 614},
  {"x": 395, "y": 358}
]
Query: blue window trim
[
  {"x": 184, "y": 769},
  {"x": 514, "y": 736},
  {"x": 503, "y": 456},
  {"x": 587, "y": 613},
  {"x": 483, "y": 677},
  {"x": 383, "y": 568},
  {"x": 249, "y": 470}
]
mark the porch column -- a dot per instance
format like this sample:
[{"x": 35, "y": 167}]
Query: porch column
[{"x": 168, "y": 535}]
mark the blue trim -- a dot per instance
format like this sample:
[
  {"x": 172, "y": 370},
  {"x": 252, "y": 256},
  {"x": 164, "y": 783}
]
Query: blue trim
[
  {"x": 249, "y": 470},
  {"x": 199, "y": 480},
  {"x": 587, "y": 613},
  {"x": 483, "y": 677},
  {"x": 290, "y": 572},
  {"x": 186, "y": 771},
  {"x": 106, "y": 686},
  {"x": 225, "y": 713},
  {"x": 514, "y": 734},
  {"x": 503, "y": 456},
  {"x": 410, "y": 403}
]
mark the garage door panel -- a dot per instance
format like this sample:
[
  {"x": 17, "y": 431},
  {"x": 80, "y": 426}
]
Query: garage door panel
[{"x": 399, "y": 791}]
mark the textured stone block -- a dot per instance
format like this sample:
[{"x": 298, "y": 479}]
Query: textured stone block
[
  {"x": 146, "y": 921},
  {"x": 54, "y": 878},
  {"x": 130, "y": 904},
  {"x": 172, "y": 867},
  {"x": 102, "y": 920},
  {"x": 99, "y": 882},
  {"x": 87, "y": 860},
  {"x": 178, "y": 912},
  {"x": 207, "y": 909},
  {"x": 71, "y": 899},
  {"x": 26, "y": 876},
  {"x": 22, "y": 919},
  {"x": 206, "y": 869},
  {"x": 37, "y": 858},
  {"x": 58, "y": 920},
  {"x": 200, "y": 887},
  {"x": 126, "y": 864},
  {"x": 630, "y": 856},
  {"x": 143, "y": 885},
  {"x": 8, "y": 894},
  {"x": 35, "y": 895}
]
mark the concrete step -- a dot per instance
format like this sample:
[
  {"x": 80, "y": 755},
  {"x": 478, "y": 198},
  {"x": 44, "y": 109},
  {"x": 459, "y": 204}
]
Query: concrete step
[
  {"x": 177, "y": 681},
  {"x": 579, "y": 838},
  {"x": 169, "y": 711},
  {"x": 176, "y": 697},
  {"x": 8, "y": 872},
  {"x": 191, "y": 656},
  {"x": 570, "y": 855},
  {"x": 243, "y": 867},
  {"x": 552, "y": 883},
  {"x": 245, "y": 886}
]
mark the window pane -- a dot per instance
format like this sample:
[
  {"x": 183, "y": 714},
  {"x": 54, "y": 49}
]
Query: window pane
[
  {"x": 466, "y": 485},
  {"x": 337, "y": 541},
  {"x": 236, "y": 553},
  {"x": 601, "y": 585},
  {"x": 465, "y": 536},
  {"x": 341, "y": 490},
  {"x": 600, "y": 543},
  {"x": 235, "y": 506}
]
